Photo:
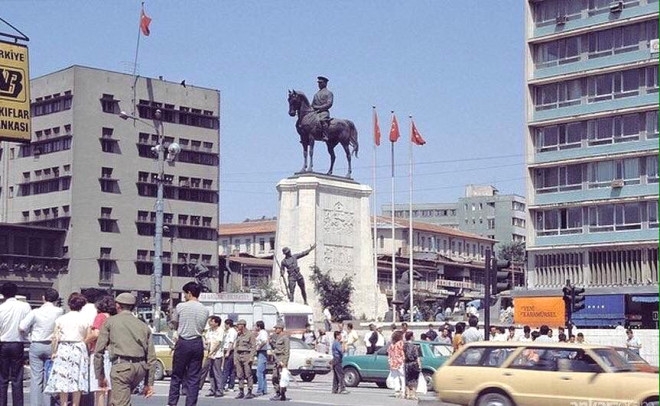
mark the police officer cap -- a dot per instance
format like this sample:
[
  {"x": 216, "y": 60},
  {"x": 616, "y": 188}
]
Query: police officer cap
[
  {"x": 279, "y": 325},
  {"x": 126, "y": 299},
  {"x": 322, "y": 79},
  {"x": 241, "y": 321}
]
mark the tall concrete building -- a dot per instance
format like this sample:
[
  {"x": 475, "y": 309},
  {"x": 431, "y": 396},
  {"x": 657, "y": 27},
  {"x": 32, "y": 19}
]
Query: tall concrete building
[
  {"x": 91, "y": 173},
  {"x": 592, "y": 150}
]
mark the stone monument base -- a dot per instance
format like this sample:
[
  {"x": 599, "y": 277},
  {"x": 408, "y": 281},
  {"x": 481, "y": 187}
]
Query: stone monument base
[{"x": 333, "y": 213}]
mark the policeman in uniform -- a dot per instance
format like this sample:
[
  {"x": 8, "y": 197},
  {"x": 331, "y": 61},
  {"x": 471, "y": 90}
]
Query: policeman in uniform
[
  {"x": 279, "y": 342},
  {"x": 290, "y": 263},
  {"x": 131, "y": 351},
  {"x": 245, "y": 349},
  {"x": 321, "y": 104}
]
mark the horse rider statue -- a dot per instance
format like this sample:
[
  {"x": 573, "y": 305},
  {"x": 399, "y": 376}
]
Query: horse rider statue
[{"x": 321, "y": 104}]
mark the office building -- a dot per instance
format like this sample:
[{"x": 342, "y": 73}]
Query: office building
[{"x": 94, "y": 175}]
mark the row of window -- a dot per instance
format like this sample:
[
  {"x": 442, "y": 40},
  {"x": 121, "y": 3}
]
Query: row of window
[
  {"x": 446, "y": 247},
  {"x": 45, "y": 213},
  {"x": 182, "y": 267},
  {"x": 595, "y": 44},
  {"x": 601, "y": 131},
  {"x": 264, "y": 245},
  {"x": 175, "y": 193},
  {"x": 46, "y": 173},
  {"x": 51, "y": 104},
  {"x": 48, "y": 186},
  {"x": 594, "y": 89},
  {"x": 168, "y": 218},
  {"x": 592, "y": 175},
  {"x": 425, "y": 213},
  {"x": 184, "y": 115},
  {"x": 184, "y": 181},
  {"x": 62, "y": 143},
  {"x": 186, "y": 156},
  {"x": 546, "y": 12},
  {"x": 598, "y": 218}
]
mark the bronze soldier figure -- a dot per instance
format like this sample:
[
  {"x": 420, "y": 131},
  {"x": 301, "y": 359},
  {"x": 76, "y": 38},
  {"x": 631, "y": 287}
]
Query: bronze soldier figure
[
  {"x": 290, "y": 263},
  {"x": 245, "y": 349},
  {"x": 279, "y": 342},
  {"x": 321, "y": 104},
  {"x": 131, "y": 351}
]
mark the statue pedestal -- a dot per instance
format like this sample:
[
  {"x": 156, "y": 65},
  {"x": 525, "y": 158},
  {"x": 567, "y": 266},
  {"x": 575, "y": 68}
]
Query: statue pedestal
[{"x": 333, "y": 213}]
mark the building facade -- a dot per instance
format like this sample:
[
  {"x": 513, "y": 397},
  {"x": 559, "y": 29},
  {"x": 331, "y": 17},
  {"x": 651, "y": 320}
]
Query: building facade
[
  {"x": 592, "y": 145},
  {"x": 94, "y": 175},
  {"x": 482, "y": 211}
]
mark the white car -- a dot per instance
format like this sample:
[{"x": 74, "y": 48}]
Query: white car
[{"x": 306, "y": 361}]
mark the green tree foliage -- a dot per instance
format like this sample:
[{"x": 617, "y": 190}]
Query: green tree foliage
[
  {"x": 335, "y": 295},
  {"x": 513, "y": 251}
]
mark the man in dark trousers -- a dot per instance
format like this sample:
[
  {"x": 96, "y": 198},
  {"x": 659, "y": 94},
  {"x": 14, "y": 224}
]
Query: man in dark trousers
[
  {"x": 290, "y": 263},
  {"x": 189, "y": 319},
  {"x": 132, "y": 352},
  {"x": 337, "y": 370},
  {"x": 245, "y": 349},
  {"x": 12, "y": 340},
  {"x": 280, "y": 344}
]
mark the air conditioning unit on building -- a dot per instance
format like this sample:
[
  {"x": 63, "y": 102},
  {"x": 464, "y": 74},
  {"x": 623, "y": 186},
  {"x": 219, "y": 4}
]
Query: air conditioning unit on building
[
  {"x": 617, "y": 183},
  {"x": 616, "y": 7},
  {"x": 654, "y": 46},
  {"x": 560, "y": 20}
]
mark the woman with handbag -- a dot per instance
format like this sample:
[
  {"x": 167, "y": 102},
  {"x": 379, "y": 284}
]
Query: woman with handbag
[
  {"x": 396, "y": 359},
  {"x": 413, "y": 366}
]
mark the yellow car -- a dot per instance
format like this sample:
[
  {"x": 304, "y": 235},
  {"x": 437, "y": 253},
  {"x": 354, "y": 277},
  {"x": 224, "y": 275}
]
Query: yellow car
[
  {"x": 164, "y": 348},
  {"x": 542, "y": 374}
]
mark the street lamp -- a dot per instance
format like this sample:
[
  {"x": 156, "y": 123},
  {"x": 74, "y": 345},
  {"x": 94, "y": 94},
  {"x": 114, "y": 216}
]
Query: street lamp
[{"x": 172, "y": 151}]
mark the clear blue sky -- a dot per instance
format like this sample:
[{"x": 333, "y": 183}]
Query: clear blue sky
[{"x": 457, "y": 67}]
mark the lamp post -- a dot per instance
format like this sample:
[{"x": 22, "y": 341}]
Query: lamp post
[{"x": 173, "y": 149}]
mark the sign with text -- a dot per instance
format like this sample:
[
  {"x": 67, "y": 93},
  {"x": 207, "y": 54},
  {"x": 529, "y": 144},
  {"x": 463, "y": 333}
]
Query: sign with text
[
  {"x": 14, "y": 93},
  {"x": 536, "y": 311}
]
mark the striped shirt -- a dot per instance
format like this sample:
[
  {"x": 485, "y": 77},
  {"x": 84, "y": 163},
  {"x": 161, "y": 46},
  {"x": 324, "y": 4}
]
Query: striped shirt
[{"x": 190, "y": 318}]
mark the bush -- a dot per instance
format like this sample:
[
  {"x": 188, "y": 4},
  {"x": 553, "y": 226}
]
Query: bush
[{"x": 335, "y": 295}]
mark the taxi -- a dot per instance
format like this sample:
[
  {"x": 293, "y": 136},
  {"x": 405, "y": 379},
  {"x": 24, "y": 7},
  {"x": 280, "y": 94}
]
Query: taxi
[{"x": 542, "y": 374}]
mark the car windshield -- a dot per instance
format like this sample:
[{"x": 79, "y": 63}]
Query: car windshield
[
  {"x": 630, "y": 356},
  {"x": 614, "y": 360},
  {"x": 440, "y": 350}
]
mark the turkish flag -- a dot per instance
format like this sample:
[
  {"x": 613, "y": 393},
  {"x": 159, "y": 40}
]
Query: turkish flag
[
  {"x": 144, "y": 23},
  {"x": 415, "y": 136},
  {"x": 394, "y": 130}
]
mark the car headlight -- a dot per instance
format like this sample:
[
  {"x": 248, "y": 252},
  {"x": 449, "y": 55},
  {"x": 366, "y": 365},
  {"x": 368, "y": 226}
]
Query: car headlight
[{"x": 308, "y": 361}]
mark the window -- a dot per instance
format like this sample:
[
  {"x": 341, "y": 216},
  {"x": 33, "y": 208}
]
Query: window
[
  {"x": 652, "y": 210},
  {"x": 627, "y": 216},
  {"x": 262, "y": 245},
  {"x": 651, "y": 169},
  {"x": 109, "y": 104}
]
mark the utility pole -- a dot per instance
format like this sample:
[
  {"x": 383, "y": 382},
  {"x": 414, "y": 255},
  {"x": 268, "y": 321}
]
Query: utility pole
[{"x": 487, "y": 283}]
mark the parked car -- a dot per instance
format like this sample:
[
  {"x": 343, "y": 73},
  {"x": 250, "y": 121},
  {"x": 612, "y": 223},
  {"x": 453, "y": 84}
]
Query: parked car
[
  {"x": 536, "y": 374},
  {"x": 375, "y": 368},
  {"x": 164, "y": 348},
  {"x": 636, "y": 360},
  {"x": 306, "y": 361}
]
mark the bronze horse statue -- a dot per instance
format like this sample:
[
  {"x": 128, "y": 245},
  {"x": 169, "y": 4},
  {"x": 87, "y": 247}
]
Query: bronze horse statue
[{"x": 339, "y": 131}]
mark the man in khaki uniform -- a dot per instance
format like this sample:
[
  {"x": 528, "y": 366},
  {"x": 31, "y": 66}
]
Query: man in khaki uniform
[
  {"x": 131, "y": 352},
  {"x": 245, "y": 348},
  {"x": 279, "y": 342}
]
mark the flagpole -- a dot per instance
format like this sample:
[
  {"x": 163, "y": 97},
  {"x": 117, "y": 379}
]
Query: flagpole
[
  {"x": 394, "y": 318},
  {"x": 375, "y": 230},
  {"x": 410, "y": 226},
  {"x": 135, "y": 61}
]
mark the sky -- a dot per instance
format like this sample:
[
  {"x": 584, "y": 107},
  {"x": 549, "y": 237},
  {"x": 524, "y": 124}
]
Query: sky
[{"x": 456, "y": 67}]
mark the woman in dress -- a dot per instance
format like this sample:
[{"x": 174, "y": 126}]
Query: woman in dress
[
  {"x": 70, "y": 372},
  {"x": 457, "y": 340},
  {"x": 105, "y": 308},
  {"x": 396, "y": 359},
  {"x": 413, "y": 366}
]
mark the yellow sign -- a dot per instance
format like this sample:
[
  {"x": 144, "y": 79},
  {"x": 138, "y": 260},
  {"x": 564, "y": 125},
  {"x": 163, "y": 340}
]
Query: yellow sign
[
  {"x": 14, "y": 93},
  {"x": 537, "y": 311}
]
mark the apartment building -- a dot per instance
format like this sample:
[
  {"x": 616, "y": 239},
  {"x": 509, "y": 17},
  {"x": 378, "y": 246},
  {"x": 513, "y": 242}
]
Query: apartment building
[{"x": 94, "y": 175}]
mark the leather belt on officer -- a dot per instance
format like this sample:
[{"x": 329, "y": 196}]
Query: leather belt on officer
[{"x": 122, "y": 359}]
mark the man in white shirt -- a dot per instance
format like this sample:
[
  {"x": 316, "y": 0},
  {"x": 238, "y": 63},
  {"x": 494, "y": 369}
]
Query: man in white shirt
[
  {"x": 328, "y": 320},
  {"x": 228, "y": 371},
  {"x": 527, "y": 335},
  {"x": 12, "y": 311},
  {"x": 544, "y": 337},
  {"x": 39, "y": 325},
  {"x": 213, "y": 337},
  {"x": 471, "y": 334},
  {"x": 352, "y": 338}
]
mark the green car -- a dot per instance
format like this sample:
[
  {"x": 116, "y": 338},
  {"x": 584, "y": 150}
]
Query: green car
[{"x": 375, "y": 368}]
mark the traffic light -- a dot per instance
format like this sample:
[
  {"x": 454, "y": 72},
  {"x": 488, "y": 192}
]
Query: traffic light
[
  {"x": 501, "y": 276},
  {"x": 577, "y": 299}
]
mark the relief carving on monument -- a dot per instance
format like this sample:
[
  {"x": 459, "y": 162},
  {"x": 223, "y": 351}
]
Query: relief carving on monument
[
  {"x": 338, "y": 257},
  {"x": 338, "y": 220}
]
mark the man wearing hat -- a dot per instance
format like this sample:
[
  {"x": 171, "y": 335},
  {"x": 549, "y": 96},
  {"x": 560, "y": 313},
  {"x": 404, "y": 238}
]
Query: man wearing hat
[
  {"x": 321, "y": 104},
  {"x": 290, "y": 263},
  {"x": 131, "y": 351},
  {"x": 279, "y": 342},
  {"x": 245, "y": 348}
]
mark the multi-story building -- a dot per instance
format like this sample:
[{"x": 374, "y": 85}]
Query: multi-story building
[
  {"x": 592, "y": 150},
  {"x": 481, "y": 211},
  {"x": 91, "y": 173}
]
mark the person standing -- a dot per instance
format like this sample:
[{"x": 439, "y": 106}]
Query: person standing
[
  {"x": 633, "y": 342},
  {"x": 70, "y": 372},
  {"x": 413, "y": 365},
  {"x": 327, "y": 319},
  {"x": 380, "y": 343},
  {"x": 133, "y": 358},
  {"x": 396, "y": 359},
  {"x": 527, "y": 335},
  {"x": 189, "y": 319},
  {"x": 308, "y": 336},
  {"x": 40, "y": 324},
  {"x": 371, "y": 338},
  {"x": 290, "y": 263},
  {"x": 544, "y": 336},
  {"x": 279, "y": 342},
  {"x": 228, "y": 370},
  {"x": 337, "y": 370},
  {"x": 471, "y": 334},
  {"x": 244, "y": 352},
  {"x": 432, "y": 334},
  {"x": 105, "y": 307},
  {"x": 262, "y": 357},
  {"x": 352, "y": 338},
  {"x": 457, "y": 341},
  {"x": 445, "y": 337},
  {"x": 213, "y": 345},
  {"x": 321, "y": 103},
  {"x": 12, "y": 340}
]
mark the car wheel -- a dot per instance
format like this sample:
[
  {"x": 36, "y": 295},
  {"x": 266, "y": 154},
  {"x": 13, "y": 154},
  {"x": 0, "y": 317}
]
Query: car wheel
[
  {"x": 159, "y": 375},
  {"x": 307, "y": 376},
  {"x": 494, "y": 399},
  {"x": 351, "y": 377},
  {"x": 428, "y": 375}
]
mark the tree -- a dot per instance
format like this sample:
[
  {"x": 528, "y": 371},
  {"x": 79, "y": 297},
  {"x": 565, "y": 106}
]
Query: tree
[
  {"x": 335, "y": 295},
  {"x": 513, "y": 251}
]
